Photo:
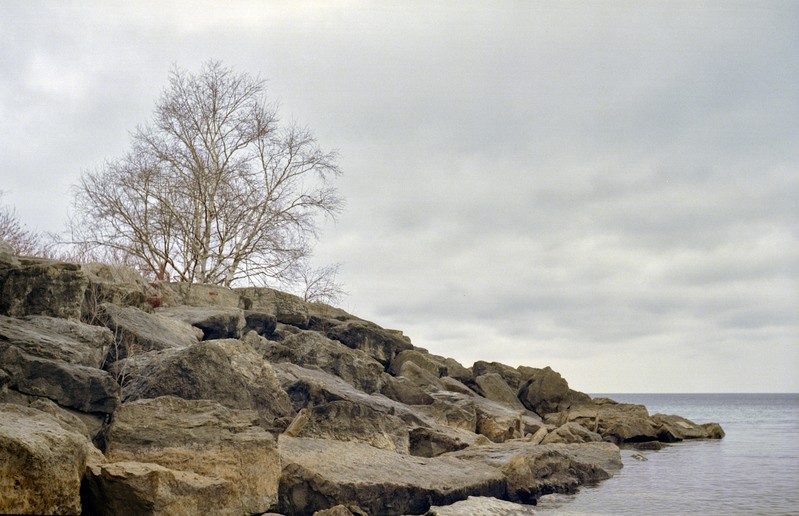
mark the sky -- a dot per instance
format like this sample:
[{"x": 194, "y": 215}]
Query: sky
[{"x": 607, "y": 188}]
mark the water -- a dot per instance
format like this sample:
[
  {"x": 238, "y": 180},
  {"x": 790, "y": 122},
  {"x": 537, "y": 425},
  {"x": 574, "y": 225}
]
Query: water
[{"x": 753, "y": 470}]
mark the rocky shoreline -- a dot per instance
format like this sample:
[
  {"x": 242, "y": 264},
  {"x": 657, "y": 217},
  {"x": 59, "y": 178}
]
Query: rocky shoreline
[{"x": 120, "y": 396}]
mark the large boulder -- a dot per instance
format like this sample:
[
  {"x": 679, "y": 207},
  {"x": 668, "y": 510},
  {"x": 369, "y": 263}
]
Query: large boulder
[
  {"x": 425, "y": 380},
  {"x": 544, "y": 391},
  {"x": 41, "y": 463},
  {"x": 571, "y": 433},
  {"x": 616, "y": 422},
  {"x": 676, "y": 428},
  {"x": 320, "y": 474},
  {"x": 287, "y": 308},
  {"x": 403, "y": 390},
  {"x": 347, "y": 421},
  {"x": 511, "y": 375},
  {"x": 494, "y": 387},
  {"x": 58, "y": 360},
  {"x": 227, "y": 371},
  {"x": 214, "y": 322},
  {"x": 128, "y": 487},
  {"x": 423, "y": 360},
  {"x": 381, "y": 344},
  {"x": 136, "y": 331},
  {"x": 312, "y": 349},
  {"x": 199, "y": 294},
  {"x": 532, "y": 471},
  {"x": 36, "y": 286},
  {"x": 202, "y": 437},
  {"x": 119, "y": 285}
]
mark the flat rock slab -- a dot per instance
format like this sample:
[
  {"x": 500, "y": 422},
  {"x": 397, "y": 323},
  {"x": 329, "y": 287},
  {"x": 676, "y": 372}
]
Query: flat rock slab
[
  {"x": 215, "y": 322},
  {"x": 319, "y": 474}
]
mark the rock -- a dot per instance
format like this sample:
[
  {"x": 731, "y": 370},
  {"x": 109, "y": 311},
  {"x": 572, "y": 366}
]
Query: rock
[
  {"x": 457, "y": 371},
  {"x": 453, "y": 385},
  {"x": 214, "y": 322},
  {"x": 544, "y": 391},
  {"x": 347, "y": 421},
  {"x": 128, "y": 487},
  {"x": 427, "y": 442},
  {"x": 423, "y": 379},
  {"x": 638, "y": 457},
  {"x": 532, "y": 470},
  {"x": 7, "y": 255},
  {"x": 227, "y": 371},
  {"x": 41, "y": 463},
  {"x": 57, "y": 339},
  {"x": 511, "y": 376},
  {"x": 286, "y": 308},
  {"x": 482, "y": 506},
  {"x": 571, "y": 433},
  {"x": 262, "y": 323},
  {"x": 676, "y": 428},
  {"x": 403, "y": 390},
  {"x": 381, "y": 344},
  {"x": 422, "y": 360},
  {"x": 116, "y": 284},
  {"x": 320, "y": 474},
  {"x": 309, "y": 348},
  {"x": 204, "y": 438},
  {"x": 310, "y": 387},
  {"x": 616, "y": 422},
  {"x": 494, "y": 387},
  {"x": 338, "y": 510},
  {"x": 138, "y": 332},
  {"x": 88, "y": 425},
  {"x": 37, "y": 361},
  {"x": 37, "y": 286},
  {"x": 199, "y": 294}
]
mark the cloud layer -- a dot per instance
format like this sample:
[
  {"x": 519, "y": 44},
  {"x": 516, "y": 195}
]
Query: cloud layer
[{"x": 607, "y": 189}]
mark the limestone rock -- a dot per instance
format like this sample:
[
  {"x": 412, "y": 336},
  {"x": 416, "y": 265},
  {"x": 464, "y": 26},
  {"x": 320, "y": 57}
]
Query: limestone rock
[
  {"x": 381, "y": 344},
  {"x": 571, "y": 433},
  {"x": 41, "y": 463},
  {"x": 511, "y": 376},
  {"x": 203, "y": 295},
  {"x": 286, "y": 308},
  {"x": 494, "y": 387},
  {"x": 227, "y": 371},
  {"x": 117, "y": 284},
  {"x": 422, "y": 360},
  {"x": 482, "y": 506},
  {"x": 128, "y": 487},
  {"x": 403, "y": 390},
  {"x": 204, "y": 438},
  {"x": 36, "y": 286},
  {"x": 309, "y": 348},
  {"x": 617, "y": 422},
  {"x": 544, "y": 391},
  {"x": 532, "y": 470},
  {"x": 138, "y": 332},
  {"x": 214, "y": 322},
  {"x": 347, "y": 421},
  {"x": 7, "y": 255},
  {"x": 677, "y": 428},
  {"x": 261, "y": 323},
  {"x": 453, "y": 385},
  {"x": 38, "y": 359},
  {"x": 422, "y": 378},
  {"x": 320, "y": 474}
]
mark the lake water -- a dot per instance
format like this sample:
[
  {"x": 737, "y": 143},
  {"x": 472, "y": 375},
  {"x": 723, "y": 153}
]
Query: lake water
[{"x": 753, "y": 470}]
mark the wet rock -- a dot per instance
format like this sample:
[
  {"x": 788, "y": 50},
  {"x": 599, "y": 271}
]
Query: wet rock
[
  {"x": 320, "y": 474},
  {"x": 482, "y": 505}
]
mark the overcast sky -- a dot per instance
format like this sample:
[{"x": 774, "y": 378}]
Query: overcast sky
[{"x": 607, "y": 188}]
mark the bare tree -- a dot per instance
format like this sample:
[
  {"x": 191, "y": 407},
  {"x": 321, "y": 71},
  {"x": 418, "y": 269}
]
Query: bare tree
[
  {"x": 318, "y": 284},
  {"x": 214, "y": 189},
  {"x": 24, "y": 241}
]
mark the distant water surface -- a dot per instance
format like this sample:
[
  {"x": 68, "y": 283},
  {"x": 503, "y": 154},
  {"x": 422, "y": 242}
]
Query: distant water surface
[{"x": 753, "y": 470}]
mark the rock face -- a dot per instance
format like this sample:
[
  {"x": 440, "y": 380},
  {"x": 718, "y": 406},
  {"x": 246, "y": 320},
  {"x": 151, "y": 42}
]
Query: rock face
[
  {"x": 41, "y": 463},
  {"x": 119, "y": 395},
  {"x": 226, "y": 446}
]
